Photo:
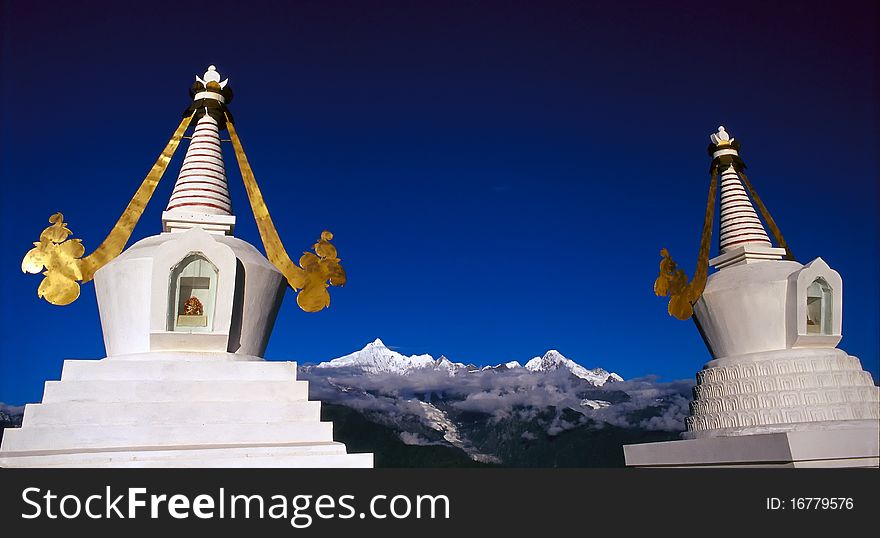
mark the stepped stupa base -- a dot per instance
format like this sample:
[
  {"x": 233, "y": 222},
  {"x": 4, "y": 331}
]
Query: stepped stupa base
[
  {"x": 180, "y": 409},
  {"x": 806, "y": 407},
  {"x": 841, "y": 447}
]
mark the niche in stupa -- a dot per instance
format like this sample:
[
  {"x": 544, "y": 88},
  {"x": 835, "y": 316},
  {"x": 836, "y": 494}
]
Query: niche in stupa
[{"x": 193, "y": 294}]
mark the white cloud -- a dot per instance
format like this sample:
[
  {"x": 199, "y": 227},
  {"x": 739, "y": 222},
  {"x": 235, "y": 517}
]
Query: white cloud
[{"x": 640, "y": 403}]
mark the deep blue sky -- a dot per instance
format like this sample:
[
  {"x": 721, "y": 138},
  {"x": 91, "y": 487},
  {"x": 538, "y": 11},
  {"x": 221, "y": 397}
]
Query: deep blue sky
[{"x": 500, "y": 177}]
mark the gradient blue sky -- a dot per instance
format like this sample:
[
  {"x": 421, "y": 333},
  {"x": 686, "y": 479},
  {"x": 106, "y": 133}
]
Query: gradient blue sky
[{"x": 500, "y": 176}]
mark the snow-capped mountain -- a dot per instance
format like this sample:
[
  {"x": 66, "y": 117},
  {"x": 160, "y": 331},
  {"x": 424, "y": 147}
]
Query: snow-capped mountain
[
  {"x": 376, "y": 358},
  {"x": 554, "y": 360}
]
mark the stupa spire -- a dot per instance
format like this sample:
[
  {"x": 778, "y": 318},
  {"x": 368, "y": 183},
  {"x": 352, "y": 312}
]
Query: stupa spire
[
  {"x": 740, "y": 224},
  {"x": 742, "y": 237},
  {"x": 201, "y": 194}
]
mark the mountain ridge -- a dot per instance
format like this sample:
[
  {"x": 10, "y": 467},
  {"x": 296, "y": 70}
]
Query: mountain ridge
[{"x": 376, "y": 358}]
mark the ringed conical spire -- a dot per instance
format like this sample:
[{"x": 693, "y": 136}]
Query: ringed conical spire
[
  {"x": 201, "y": 194},
  {"x": 740, "y": 224},
  {"x": 742, "y": 237}
]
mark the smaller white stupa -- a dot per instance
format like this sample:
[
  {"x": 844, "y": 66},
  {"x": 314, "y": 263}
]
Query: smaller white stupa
[
  {"x": 777, "y": 391},
  {"x": 186, "y": 317}
]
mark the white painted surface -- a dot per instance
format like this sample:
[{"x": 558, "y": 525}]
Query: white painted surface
[
  {"x": 181, "y": 221},
  {"x": 171, "y": 368},
  {"x": 181, "y": 412},
  {"x": 133, "y": 294},
  {"x": 797, "y": 315},
  {"x": 173, "y": 391},
  {"x": 169, "y": 255},
  {"x": 303, "y": 455},
  {"x": 761, "y": 306},
  {"x": 739, "y": 223},
  {"x": 182, "y": 356},
  {"x": 719, "y": 138},
  {"x": 105, "y": 437},
  {"x": 211, "y": 75},
  {"x": 782, "y": 390},
  {"x": 201, "y": 188},
  {"x": 748, "y": 253},
  {"x": 176, "y": 410},
  {"x": 768, "y": 374},
  {"x": 209, "y": 95},
  {"x": 742, "y": 309},
  {"x": 855, "y": 447}
]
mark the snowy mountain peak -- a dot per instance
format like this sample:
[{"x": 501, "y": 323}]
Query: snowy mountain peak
[
  {"x": 447, "y": 365},
  {"x": 554, "y": 356},
  {"x": 551, "y": 360},
  {"x": 375, "y": 357},
  {"x": 554, "y": 360}
]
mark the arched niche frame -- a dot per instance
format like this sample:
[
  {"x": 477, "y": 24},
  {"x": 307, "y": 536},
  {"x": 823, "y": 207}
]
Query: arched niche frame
[
  {"x": 192, "y": 295},
  {"x": 194, "y": 244},
  {"x": 814, "y": 313}
]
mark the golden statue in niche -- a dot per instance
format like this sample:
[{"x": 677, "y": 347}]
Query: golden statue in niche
[{"x": 193, "y": 307}]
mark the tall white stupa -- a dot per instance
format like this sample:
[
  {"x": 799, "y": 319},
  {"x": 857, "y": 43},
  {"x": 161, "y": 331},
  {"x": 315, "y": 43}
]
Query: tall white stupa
[
  {"x": 777, "y": 391},
  {"x": 186, "y": 317}
]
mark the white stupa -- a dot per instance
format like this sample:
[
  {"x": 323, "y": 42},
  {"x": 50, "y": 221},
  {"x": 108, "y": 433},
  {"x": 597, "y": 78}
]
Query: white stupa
[
  {"x": 777, "y": 391},
  {"x": 186, "y": 317}
]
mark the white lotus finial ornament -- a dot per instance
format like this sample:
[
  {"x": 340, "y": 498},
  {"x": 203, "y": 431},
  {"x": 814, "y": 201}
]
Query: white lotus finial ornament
[
  {"x": 721, "y": 138},
  {"x": 211, "y": 75}
]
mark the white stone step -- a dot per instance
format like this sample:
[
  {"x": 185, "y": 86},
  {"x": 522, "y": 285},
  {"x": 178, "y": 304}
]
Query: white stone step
[
  {"x": 178, "y": 370},
  {"x": 174, "y": 391},
  {"x": 350, "y": 461},
  {"x": 163, "y": 413},
  {"x": 296, "y": 455},
  {"x": 134, "y": 437}
]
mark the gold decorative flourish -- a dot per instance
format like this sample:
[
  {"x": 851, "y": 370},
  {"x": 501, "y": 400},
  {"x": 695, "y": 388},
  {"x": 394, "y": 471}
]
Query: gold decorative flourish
[
  {"x": 673, "y": 282},
  {"x": 60, "y": 257},
  {"x": 314, "y": 271}
]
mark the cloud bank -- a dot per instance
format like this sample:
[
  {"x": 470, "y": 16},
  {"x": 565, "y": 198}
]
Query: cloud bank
[{"x": 496, "y": 395}]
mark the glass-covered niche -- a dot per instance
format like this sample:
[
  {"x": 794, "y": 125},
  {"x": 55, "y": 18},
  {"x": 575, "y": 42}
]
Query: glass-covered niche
[
  {"x": 193, "y": 295},
  {"x": 819, "y": 299}
]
